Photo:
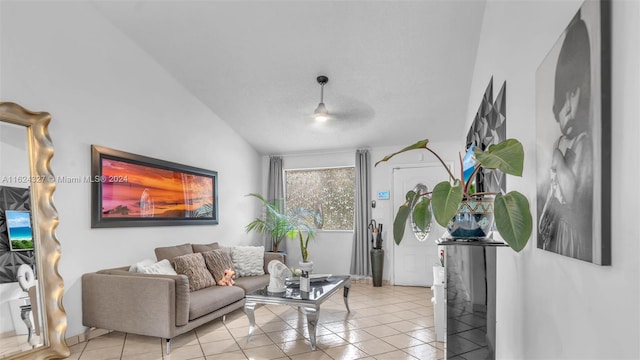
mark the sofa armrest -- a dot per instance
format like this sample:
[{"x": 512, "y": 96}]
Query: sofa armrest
[
  {"x": 181, "y": 290},
  {"x": 145, "y": 304},
  {"x": 268, "y": 256}
]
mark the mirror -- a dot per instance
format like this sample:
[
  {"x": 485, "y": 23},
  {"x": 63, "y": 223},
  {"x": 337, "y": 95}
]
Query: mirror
[{"x": 26, "y": 189}]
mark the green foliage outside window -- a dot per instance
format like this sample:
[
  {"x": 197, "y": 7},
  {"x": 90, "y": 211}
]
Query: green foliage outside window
[{"x": 326, "y": 193}]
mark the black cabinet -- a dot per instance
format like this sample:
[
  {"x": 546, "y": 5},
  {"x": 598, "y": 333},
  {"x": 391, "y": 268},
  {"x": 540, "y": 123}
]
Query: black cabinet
[{"x": 470, "y": 285}]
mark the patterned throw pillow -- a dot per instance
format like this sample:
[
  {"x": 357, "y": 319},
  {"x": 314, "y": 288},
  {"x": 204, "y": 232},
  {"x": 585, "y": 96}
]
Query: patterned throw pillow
[
  {"x": 194, "y": 267},
  {"x": 248, "y": 260},
  {"x": 217, "y": 261}
]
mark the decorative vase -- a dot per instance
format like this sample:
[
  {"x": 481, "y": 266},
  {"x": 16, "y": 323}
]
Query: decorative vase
[
  {"x": 305, "y": 281},
  {"x": 474, "y": 220},
  {"x": 377, "y": 266}
]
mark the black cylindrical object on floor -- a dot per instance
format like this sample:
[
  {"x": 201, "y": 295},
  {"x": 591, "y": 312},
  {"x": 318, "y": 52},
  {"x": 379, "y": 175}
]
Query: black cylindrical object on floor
[{"x": 377, "y": 264}]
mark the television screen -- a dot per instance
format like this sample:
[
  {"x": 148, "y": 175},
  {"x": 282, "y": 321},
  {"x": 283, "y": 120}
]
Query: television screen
[{"x": 19, "y": 230}]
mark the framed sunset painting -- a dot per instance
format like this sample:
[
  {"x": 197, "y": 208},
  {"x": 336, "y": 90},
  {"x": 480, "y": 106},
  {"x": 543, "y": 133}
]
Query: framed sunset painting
[{"x": 134, "y": 190}]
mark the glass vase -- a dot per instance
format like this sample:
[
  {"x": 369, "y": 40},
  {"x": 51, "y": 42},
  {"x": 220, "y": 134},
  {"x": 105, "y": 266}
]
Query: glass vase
[{"x": 474, "y": 220}]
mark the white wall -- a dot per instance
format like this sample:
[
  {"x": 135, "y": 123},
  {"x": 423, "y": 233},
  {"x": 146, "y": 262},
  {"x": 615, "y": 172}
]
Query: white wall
[
  {"x": 14, "y": 158},
  {"x": 100, "y": 88},
  {"x": 550, "y": 306}
]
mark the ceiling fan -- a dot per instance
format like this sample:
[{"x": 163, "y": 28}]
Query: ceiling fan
[
  {"x": 358, "y": 113},
  {"x": 321, "y": 113}
]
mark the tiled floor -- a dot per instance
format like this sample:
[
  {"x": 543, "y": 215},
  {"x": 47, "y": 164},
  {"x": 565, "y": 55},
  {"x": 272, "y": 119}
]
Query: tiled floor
[
  {"x": 14, "y": 344},
  {"x": 388, "y": 322}
]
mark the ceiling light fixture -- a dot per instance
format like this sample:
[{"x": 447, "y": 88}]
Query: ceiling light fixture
[{"x": 321, "y": 113}]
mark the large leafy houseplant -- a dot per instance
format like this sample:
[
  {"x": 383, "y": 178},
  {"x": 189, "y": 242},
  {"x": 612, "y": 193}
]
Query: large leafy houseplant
[
  {"x": 280, "y": 224},
  {"x": 511, "y": 211}
]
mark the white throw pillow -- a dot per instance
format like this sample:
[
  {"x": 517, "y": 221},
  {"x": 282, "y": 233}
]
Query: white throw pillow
[
  {"x": 162, "y": 267},
  {"x": 248, "y": 260},
  {"x": 136, "y": 267}
]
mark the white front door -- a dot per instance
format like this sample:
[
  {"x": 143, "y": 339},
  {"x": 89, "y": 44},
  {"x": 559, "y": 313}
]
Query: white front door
[{"x": 412, "y": 259}]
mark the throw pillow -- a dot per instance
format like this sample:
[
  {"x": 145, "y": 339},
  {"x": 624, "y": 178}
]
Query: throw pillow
[
  {"x": 162, "y": 267},
  {"x": 194, "y": 267},
  {"x": 135, "y": 267},
  {"x": 217, "y": 262},
  {"x": 248, "y": 260},
  {"x": 201, "y": 248}
]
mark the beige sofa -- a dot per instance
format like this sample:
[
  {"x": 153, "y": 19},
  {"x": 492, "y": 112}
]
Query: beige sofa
[{"x": 161, "y": 305}]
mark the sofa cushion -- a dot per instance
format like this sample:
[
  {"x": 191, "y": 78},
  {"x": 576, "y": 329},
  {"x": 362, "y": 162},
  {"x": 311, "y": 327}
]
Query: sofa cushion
[
  {"x": 195, "y": 269},
  {"x": 170, "y": 252},
  {"x": 248, "y": 260},
  {"x": 213, "y": 298},
  {"x": 252, "y": 283},
  {"x": 201, "y": 248},
  {"x": 217, "y": 262}
]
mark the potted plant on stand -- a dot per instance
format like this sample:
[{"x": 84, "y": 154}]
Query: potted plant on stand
[
  {"x": 454, "y": 204},
  {"x": 275, "y": 223},
  {"x": 280, "y": 224}
]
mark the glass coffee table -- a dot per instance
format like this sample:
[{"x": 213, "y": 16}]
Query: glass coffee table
[{"x": 309, "y": 302}]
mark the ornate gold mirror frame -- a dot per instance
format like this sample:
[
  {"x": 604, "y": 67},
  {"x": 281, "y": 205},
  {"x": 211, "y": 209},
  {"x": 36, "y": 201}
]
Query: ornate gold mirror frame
[{"x": 45, "y": 221}]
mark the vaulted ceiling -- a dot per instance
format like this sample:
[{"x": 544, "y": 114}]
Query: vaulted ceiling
[{"x": 399, "y": 71}]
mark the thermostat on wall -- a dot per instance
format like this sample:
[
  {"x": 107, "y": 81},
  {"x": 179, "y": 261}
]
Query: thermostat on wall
[{"x": 383, "y": 195}]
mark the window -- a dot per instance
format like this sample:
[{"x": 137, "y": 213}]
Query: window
[{"x": 327, "y": 193}]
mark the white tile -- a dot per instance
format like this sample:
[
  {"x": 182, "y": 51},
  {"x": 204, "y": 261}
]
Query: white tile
[
  {"x": 346, "y": 352},
  {"x": 374, "y": 347},
  {"x": 295, "y": 347},
  {"x": 219, "y": 347},
  {"x": 268, "y": 352},
  {"x": 255, "y": 341},
  {"x": 236, "y": 355},
  {"x": 402, "y": 341},
  {"x": 184, "y": 353}
]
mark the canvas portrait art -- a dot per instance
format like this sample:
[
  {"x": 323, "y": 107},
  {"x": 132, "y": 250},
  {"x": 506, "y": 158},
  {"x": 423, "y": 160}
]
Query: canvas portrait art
[{"x": 573, "y": 128}]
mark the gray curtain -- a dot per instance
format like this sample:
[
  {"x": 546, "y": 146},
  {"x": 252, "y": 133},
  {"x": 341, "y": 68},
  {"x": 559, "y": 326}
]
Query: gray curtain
[
  {"x": 275, "y": 192},
  {"x": 360, "y": 258}
]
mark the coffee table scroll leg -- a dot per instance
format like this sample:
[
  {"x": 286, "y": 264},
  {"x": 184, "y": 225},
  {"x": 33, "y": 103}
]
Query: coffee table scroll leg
[
  {"x": 249, "y": 307},
  {"x": 312, "y": 321},
  {"x": 346, "y": 296}
]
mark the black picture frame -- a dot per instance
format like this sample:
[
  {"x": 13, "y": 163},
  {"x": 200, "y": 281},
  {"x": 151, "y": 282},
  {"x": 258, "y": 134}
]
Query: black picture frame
[
  {"x": 129, "y": 190},
  {"x": 573, "y": 119}
]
